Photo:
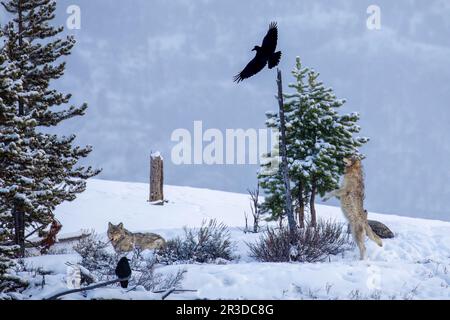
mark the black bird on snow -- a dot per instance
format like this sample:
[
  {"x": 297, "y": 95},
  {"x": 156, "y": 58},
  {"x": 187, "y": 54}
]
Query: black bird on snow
[
  {"x": 264, "y": 55},
  {"x": 123, "y": 271}
]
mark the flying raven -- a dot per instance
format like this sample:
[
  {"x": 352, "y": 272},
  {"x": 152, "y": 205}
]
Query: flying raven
[
  {"x": 264, "y": 55},
  {"x": 123, "y": 271}
]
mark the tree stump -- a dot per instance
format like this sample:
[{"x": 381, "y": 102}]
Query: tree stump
[{"x": 156, "y": 179}]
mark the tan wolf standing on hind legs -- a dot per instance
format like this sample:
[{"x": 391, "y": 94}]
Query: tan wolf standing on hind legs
[
  {"x": 125, "y": 241},
  {"x": 351, "y": 195}
]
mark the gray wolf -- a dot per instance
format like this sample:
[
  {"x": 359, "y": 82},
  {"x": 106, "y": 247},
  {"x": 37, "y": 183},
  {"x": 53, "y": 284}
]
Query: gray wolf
[
  {"x": 125, "y": 241},
  {"x": 351, "y": 195}
]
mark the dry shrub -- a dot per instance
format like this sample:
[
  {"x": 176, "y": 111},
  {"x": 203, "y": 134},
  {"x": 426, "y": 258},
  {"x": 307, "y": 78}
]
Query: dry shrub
[{"x": 305, "y": 245}]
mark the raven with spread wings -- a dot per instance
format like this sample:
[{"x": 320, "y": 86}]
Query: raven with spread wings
[{"x": 264, "y": 55}]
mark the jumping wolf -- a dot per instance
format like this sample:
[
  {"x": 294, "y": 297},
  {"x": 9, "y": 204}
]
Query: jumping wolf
[{"x": 351, "y": 195}]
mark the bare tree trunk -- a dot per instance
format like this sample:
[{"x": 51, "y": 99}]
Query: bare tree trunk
[
  {"x": 19, "y": 230},
  {"x": 301, "y": 208},
  {"x": 312, "y": 204},
  {"x": 284, "y": 162},
  {"x": 156, "y": 179}
]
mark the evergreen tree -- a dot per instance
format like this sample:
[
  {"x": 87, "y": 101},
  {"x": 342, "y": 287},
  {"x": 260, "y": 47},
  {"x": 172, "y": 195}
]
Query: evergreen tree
[
  {"x": 318, "y": 139},
  {"x": 9, "y": 282},
  {"x": 326, "y": 137},
  {"x": 296, "y": 142},
  {"x": 47, "y": 170},
  {"x": 272, "y": 182},
  {"x": 10, "y": 127}
]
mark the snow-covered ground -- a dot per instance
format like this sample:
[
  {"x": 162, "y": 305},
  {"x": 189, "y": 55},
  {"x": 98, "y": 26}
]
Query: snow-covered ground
[{"x": 413, "y": 265}]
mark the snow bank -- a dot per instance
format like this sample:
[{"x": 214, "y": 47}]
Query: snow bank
[{"x": 413, "y": 265}]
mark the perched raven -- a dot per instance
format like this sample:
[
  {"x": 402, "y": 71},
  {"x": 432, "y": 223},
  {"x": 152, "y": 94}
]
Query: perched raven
[
  {"x": 123, "y": 271},
  {"x": 264, "y": 55}
]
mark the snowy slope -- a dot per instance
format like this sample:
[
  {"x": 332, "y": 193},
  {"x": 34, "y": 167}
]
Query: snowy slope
[
  {"x": 107, "y": 201},
  {"x": 414, "y": 265}
]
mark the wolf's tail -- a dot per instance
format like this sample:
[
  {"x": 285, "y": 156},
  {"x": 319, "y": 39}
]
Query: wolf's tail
[{"x": 372, "y": 236}]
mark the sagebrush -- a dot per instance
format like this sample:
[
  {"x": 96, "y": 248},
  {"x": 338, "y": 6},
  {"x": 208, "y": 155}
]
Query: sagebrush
[
  {"x": 94, "y": 253},
  {"x": 208, "y": 244},
  {"x": 309, "y": 244}
]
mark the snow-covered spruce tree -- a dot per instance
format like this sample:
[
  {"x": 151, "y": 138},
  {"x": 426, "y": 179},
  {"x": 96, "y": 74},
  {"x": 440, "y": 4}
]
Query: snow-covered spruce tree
[
  {"x": 273, "y": 184},
  {"x": 9, "y": 282},
  {"x": 322, "y": 136},
  {"x": 318, "y": 138},
  {"x": 32, "y": 45},
  {"x": 274, "y": 202},
  {"x": 272, "y": 181},
  {"x": 11, "y": 129},
  {"x": 295, "y": 140},
  {"x": 9, "y": 140}
]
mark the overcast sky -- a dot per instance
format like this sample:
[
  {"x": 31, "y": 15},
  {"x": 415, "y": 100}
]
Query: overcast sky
[{"x": 148, "y": 67}]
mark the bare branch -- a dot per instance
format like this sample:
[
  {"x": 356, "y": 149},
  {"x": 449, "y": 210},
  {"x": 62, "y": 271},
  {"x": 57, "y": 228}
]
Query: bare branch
[
  {"x": 254, "y": 207},
  {"x": 96, "y": 286}
]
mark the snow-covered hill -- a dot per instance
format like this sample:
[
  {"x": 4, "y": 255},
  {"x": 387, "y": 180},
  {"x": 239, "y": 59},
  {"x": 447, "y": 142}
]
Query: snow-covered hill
[{"x": 414, "y": 265}]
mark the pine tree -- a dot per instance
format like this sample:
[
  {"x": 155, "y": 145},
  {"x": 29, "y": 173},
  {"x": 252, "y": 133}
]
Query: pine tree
[
  {"x": 272, "y": 183},
  {"x": 10, "y": 127},
  {"x": 48, "y": 170},
  {"x": 9, "y": 282},
  {"x": 326, "y": 137},
  {"x": 318, "y": 139},
  {"x": 296, "y": 141}
]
